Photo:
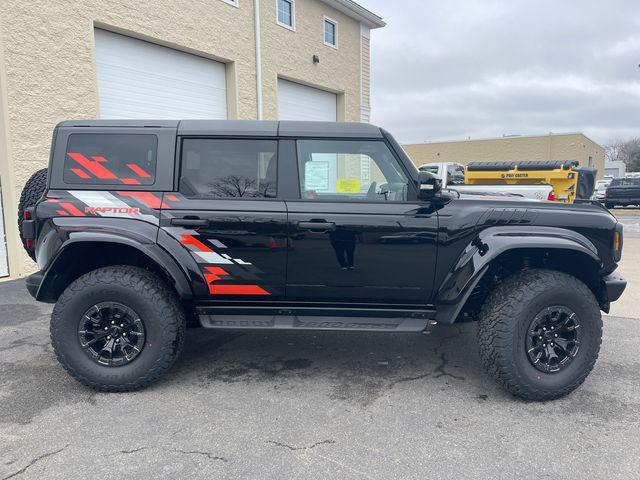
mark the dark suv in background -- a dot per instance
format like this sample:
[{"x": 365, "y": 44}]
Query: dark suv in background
[
  {"x": 142, "y": 228},
  {"x": 623, "y": 192}
]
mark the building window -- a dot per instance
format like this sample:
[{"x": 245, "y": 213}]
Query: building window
[
  {"x": 330, "y": 32},
  {"x": 286, "y": 13}
]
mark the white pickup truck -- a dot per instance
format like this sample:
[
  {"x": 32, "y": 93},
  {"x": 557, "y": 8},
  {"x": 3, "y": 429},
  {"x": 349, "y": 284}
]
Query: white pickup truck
[{"x": 452, "y": 175}]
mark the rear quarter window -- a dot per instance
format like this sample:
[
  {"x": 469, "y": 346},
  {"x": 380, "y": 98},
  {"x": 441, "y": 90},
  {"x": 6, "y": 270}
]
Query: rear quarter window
[{"x": 111, "y": 159}]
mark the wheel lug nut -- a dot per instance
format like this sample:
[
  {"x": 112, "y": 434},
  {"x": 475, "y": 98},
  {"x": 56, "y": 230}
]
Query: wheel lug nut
[
  {"x": 113, "y": 323},
  {"x": 106, "y": 328},
  {"x": 552, "y": 344},
  {"x": 544, "y": 344},
  {"x": 122, "y": 324},
  {"x": 538, "y": 337},
  {"x": 555, "y": 335},
  {"x": 108, "y": 337}
]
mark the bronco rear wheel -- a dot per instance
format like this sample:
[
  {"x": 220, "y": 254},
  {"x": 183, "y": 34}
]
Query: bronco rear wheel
[
  {"x": 117, "y": 328},
  {"x": 540, "y": 333}
]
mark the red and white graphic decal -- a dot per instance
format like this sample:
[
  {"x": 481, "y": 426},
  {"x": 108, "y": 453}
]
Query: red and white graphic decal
[
  {"x": 149, "y": 199},
  {"x": 83, "y": 203},
  {"x": 203, "y": 251},
  {"x": 214, "y": 274},
  {"x": 96, "y": 167},
  {"x": 138, "y": 170}
]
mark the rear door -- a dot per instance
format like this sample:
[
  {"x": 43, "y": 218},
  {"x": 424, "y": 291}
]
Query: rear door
[{"x": 229, "y": 219}]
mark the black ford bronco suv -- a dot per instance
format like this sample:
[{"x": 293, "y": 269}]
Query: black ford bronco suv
[{"x": 141, "y": 228}]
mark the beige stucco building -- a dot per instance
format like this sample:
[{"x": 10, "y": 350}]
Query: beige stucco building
[
  {"x": 568, "y": 146},
  {"x": 236, "y": 59}
]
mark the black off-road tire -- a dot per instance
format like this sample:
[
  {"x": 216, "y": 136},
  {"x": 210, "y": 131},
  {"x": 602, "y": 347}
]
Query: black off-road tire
[
  {"x": 143, "y": 292},
  {"x": 31, "y": 193},
  {"x": 504, "y": 322}
]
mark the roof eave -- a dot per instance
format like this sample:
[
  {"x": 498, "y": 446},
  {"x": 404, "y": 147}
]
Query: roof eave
[{"x": 357, "y": 12}]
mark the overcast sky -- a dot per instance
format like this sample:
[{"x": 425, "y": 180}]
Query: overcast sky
[{"x": 449, "y": 70}]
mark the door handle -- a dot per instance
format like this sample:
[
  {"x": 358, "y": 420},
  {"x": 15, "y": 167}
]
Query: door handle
[
  {"x": 317, "y": 226},
  {"x": 190, "y": 222}
]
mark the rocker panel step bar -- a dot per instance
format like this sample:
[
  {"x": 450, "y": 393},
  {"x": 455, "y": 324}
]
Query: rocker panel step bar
[{"x": 294, "y": 322}]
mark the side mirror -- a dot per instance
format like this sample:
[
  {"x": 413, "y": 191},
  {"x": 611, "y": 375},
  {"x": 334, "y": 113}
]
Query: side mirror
[{"x": 428, "y": 185}]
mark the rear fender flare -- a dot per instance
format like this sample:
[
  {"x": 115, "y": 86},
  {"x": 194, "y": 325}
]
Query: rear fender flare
[
  {"x": 162, "y": 259},
  {"x": 475, "y": 260}
]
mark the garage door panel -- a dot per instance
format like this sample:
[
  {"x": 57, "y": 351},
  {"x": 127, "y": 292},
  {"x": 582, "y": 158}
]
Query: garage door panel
[
  {"x": 300, "y": 102},
  {"x": 138, "y": 79}
]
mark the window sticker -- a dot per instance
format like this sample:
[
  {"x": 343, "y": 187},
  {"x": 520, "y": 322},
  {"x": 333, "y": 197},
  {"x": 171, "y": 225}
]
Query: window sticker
[
  {"x": 316, "y": 175},
  {"x": 348, "y": 185}
]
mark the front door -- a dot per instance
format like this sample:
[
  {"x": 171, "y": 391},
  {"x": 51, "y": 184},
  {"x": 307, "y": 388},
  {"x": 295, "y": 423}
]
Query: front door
[
  {"x": 228, "y": 218},
  {"x": 354, "y": 236}
]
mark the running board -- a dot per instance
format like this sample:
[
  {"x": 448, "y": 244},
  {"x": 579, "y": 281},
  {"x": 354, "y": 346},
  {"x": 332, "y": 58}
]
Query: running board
[{"x": 312, "y": 319}]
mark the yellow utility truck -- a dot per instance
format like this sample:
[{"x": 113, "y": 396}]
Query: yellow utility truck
[
  {"x": 559, "y": 181},
  {"x": 568, "y": 180}
]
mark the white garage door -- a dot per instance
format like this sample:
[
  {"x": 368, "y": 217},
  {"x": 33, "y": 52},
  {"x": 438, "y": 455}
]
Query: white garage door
[
  {"x": 138, "y": 79},
  {"x": 299, "y": 102}
]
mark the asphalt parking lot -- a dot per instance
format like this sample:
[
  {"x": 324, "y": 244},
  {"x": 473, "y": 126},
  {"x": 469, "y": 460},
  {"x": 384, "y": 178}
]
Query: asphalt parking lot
[{"x": 312, "y": 405}]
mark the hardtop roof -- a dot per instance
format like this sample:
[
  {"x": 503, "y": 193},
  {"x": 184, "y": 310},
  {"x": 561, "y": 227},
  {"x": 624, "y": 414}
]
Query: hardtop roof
[{"x": 243, "y": 128}]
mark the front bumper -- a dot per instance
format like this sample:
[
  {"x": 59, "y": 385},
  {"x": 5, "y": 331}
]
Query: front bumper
[
  {"x": 33, "y": 283},
  {"x": 614, "y": 284}
]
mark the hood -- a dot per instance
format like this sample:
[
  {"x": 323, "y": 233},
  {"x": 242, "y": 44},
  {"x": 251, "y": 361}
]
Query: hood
[{"x": 495, "y": 196}]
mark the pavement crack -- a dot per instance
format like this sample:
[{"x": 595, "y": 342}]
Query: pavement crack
[
  {"x": 134, "y": 450},
  {"x": 440, "y": 369},
  {"x": 209, "y": 455},
  {"x": 34, "y": 461},
  {"x": 294, "y": 449},
  {"x": 408, "y": 379}
]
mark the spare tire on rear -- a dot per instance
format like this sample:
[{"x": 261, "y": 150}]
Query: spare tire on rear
[{"x": 31, "y": 193}]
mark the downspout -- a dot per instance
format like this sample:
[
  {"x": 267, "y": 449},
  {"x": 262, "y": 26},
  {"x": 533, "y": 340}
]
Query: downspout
[{"x": 256, "y": 14}]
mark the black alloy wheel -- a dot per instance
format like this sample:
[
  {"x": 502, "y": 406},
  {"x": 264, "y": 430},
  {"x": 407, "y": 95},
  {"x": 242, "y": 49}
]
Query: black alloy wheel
[
  {"x": 553, "y": 339},
  {"x": 111, "y": 334}
]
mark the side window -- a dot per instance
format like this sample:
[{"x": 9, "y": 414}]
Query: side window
[
  {"x": 349, "y": 170},
  {"x": 110, "y": 159},
  {"x": 212, "y": 168}
]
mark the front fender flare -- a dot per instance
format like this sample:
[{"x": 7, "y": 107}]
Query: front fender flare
[{"x": 488, "y": 245}]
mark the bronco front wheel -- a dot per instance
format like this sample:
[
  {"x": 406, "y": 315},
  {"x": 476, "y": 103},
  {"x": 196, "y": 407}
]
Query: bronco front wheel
[
  {"x": 540, "y": 333},
  {"x": 117, "y": 328}
]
